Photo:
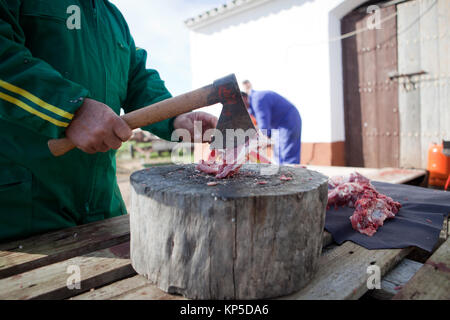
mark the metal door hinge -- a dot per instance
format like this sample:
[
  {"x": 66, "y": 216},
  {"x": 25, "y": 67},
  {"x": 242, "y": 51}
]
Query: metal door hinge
[{"x": 395, "y": 75}]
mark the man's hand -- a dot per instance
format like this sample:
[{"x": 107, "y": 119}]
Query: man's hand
[
  {"x": 96, "y": 128},
  {"x": 186, "y": 121}
]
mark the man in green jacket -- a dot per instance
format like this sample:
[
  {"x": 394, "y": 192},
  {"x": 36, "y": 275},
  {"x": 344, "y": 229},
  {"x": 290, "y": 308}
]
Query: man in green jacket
[{"x": 66, "y": 69}]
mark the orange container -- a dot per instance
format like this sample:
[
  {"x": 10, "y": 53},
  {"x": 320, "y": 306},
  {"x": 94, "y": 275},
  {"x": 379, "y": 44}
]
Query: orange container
[{"x": 438, "y": 165}]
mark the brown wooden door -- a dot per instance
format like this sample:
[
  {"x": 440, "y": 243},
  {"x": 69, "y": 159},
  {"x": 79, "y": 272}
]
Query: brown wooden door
[{"x": 370, "y": 96}]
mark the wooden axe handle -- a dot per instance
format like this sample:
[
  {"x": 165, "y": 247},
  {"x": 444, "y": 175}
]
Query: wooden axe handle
[{"x": 157, "y": 112}]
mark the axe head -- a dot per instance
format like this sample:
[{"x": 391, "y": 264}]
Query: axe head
[{"x": 234, "y": 126}]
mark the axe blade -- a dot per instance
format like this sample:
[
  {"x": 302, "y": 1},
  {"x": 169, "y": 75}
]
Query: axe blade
[{"x": 235, "y": 126}]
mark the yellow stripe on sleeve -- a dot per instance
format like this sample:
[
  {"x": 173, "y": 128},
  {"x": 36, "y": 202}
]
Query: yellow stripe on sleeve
[
  {"x": 26, "y": 107},
  {"x": 36, "y": 100}
]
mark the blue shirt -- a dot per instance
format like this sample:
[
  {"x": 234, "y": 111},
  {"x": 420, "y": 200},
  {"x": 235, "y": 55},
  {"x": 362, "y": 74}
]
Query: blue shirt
[{"x": 270, "y": 109}]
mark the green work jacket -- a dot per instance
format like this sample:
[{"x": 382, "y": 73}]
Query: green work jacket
[{"x": 54, "y": 54}]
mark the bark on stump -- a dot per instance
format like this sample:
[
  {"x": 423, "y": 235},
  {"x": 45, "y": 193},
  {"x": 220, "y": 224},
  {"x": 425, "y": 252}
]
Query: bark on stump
[{"x": 236, "y": 240}]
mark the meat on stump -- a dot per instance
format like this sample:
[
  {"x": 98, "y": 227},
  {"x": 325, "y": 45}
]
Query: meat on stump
[{"x": 226, "y": 163}]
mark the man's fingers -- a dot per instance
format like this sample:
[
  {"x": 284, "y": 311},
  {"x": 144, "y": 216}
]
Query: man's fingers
[
  {"x": 113, "y": 142},
  {"x": 96, "y": 128},
  {"x": 201, "y": 120},
  {"x": 213, "y": 121},
  {"x": 103, "y": 148},
  {"x": 198, "y": 131},
  {"x": 109, "y": 143},
  {"x": 89, "y": 150},
  {"x": 209, "y": 121},
  {"x": 122, "y": 130}
]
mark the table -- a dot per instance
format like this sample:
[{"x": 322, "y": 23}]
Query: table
[
  {"x": 390, "y": 175},
  {"x": 41, "y": 267}
]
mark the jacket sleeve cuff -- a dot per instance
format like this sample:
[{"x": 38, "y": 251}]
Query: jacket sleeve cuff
[{"x": 49, "y": 119}]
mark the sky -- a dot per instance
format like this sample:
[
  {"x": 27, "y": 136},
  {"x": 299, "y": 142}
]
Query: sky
[{"x": 158, "y": 27}]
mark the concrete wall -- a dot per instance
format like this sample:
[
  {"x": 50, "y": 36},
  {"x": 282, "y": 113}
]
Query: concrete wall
[{"x": 281, "y": 45}]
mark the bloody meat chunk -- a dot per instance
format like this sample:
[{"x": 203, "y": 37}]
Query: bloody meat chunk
[
  {"x": 353, "y": 177},
  {"x": 226, "y": 163},
  {"x": 346, "y": 194},
  {"x": 232, "y": 161},
  {"x": 346, "y": 190},
  {"x": 208, "y": 167},
  {"x": 371, "y": 207}
]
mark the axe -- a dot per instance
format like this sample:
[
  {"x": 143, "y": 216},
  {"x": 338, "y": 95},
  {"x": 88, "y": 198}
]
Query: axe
[{"x": 225, "y": 90}]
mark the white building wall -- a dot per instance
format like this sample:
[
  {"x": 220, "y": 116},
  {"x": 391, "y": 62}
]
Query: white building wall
[{"x": 281, "y": 45}]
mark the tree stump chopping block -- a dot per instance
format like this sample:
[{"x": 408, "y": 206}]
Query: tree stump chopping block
[{"x": 252, "y": 236}]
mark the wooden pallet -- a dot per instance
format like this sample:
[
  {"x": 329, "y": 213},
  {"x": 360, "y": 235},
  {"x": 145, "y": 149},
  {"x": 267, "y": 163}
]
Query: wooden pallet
[
  {"x": 432, "y": 281},
  {"x": 23, "y": 255},
  {"x": 51, "y": 281},
  {"x": 37, "y": 268}
]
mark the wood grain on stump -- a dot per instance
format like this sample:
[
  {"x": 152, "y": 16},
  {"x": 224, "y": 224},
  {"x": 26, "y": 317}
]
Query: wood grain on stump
[{"x": 238, "y": 239}]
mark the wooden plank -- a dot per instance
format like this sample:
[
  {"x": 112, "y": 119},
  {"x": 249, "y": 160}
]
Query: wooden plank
[
  {"x": 429, "y": 91},
  {"x": 368, "y": 69},
  {"x": 148, "y": 292},
  {"x": 397, "y": 175},
  {"x": 396, "y": 279},
  {"x": 23, "y": 255},
  {"x": 409, "y": 92},
  {"x": 432, "y": 281},
  {"x": 444, "y": 66},
  {"x": 112, "y": 290},
  {"x": 343, "y": 274},
  {"x": 134, "y": 288},
  {"x": 391, "y": 175},
  {"x": 352, "y": 96},
  {"x": 327, "y": 239},
  {"x": 385, "y": 90},
  {"x": 138, "y": 287},
  {"x": 50, "y": 282},
  {"x": 370, "y": 96},
  {"x": 331, "y": 171},
  {"x": 423, "y": 46}
]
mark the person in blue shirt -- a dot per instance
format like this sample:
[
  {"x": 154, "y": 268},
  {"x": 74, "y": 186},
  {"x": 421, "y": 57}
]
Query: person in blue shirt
[{"x": 272, "y": 111}]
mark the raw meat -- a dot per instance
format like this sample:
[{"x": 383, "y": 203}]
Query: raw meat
[
  {"x": 353, "y": 177},
  {"x": 346, "y": 193},
  {"x": 346, "y": 190},
  {"x": 371, "y": 207},
  {"x": 231, "y": 160},
  {"x": 209, "y": 166}
]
